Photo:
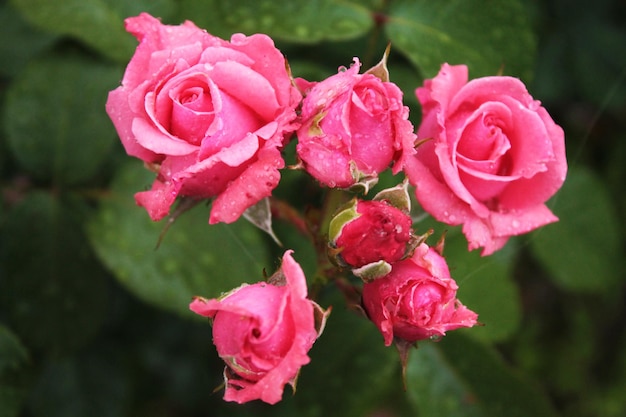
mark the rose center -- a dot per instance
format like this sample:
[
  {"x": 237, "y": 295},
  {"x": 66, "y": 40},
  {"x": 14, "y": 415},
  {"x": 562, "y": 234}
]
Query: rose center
[
  {"x": 424, "y": 300},
  {"x": 483, "y": 139},
  {"x": 192, "y": 112}
]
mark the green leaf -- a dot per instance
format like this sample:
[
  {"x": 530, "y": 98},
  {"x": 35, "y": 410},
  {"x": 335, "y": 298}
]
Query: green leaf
[
  {"x": 55, "y": 120},
  {"x": 54, "y": 291},
  {"x": 486, "y": 286},
  {"x": 582, "y": 251},
  {"x": 25, "y": 42},
  {"x": 294, "y": 21},
  {"x": 350, "y": 365},
  {"x": 97, "y": 23},
  {"x": 486, "y": 35},
  {"x": 193, "y": 259},
  {"x": 461, "y": 377},
  {"x": 92, "y": 21}
]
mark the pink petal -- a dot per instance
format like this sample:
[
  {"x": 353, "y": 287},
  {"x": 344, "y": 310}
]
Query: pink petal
[
  {"x": 257, "y": 182},
  {"x": 436, "y": 197},
  {"x": 449, "y": 170},
  {"x": 119, "y": 111},
  {"x": 521, "y": 221},
  {"x": 440, "y": 90},
  {"x": 151, "y": 138},
  {"x": 261, "y": 97},
  {"x": 328, "y": 166},
  {"x": 479, "y": 234},
  {"x": 224, "y": 52},
  {"x": 236, "y": 121},
  {"x": 158, "y": 200},
  {"x": 542, "y": 186},
  {"x": 294, "y": 275},
  {"x": 485, "y": 89},
  {"x": 270, "y": 64}
]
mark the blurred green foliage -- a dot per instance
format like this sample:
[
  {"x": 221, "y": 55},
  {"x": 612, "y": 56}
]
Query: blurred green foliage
[{"x": 94, "y": 320}]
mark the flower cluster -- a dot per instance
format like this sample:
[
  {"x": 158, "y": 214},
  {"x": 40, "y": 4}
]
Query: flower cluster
[
  {"x": 407, "y": 292},
  {"x": 211, "y": 118}
]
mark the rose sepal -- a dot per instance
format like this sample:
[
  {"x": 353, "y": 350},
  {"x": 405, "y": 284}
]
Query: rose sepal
[
  {"x": 397, "y": 196},
  {"x": 380, "y": 70},
  {"x": 363, "y": 182},
  {"x": 375, "y": 270},
  {"x": 344, "y": 214}
]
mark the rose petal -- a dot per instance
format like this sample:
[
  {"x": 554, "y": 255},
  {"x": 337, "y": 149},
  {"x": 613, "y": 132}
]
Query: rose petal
[
  {"x": 327, "y": 165},
  {"x": 262, "y": 98},
  {"x": 531, "y": 143},
  {"x": 158, "y": 200},
  {"x": 449, "y": 170},
  {"x": 486, "y": 89},
  {"x": 118, "y": 109},
  {"x": 517, "y": 222},
  {"x": 439, "y": 91},
  {"x": 159, "y": 44},
  {"x": 236, "y": 121},
  {"x": 372, "y": 131},
  {"x": 328, "y": 90},
  {"x": 479, "y": 234},
  {"x": 434, "y": 196},
  {"x": 158, "y": 142},
  {"x": 224, "y": 52},
  {"x": 542, "y": 186},
  {"x": 255, "y": 183}
]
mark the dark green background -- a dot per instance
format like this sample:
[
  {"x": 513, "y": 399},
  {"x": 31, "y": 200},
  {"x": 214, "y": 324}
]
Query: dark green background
[{"x": 94, "y": 319}]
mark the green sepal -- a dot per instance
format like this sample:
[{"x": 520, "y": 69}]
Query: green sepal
[
  {"x": 397, "y": 196},
  {"x": 375, "y": 270}
]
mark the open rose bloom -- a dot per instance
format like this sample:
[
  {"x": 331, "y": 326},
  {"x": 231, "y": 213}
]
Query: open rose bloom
[
  {"x": 354, "y": 126},
  {"x": 416, "y": 300},
  {"x": 263, "y": 332},
  {"x": 210, "y": 115},
  {"x": 492, "y": 157}
]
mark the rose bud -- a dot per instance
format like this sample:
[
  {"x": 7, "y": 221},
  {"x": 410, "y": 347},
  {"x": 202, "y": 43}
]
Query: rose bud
[
  {"x": 211, "y": 116},
  {"x": 490, "y": 159},
  {"x": 354, "y": 126},
  {"x": 370, "y": 233},
  {"x": 263, "y": 333},
  {"x": 416, "y": 300}
]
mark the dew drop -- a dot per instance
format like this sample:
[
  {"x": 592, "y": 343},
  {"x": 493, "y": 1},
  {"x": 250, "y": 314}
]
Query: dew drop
[{"x": 515, "y": 224}]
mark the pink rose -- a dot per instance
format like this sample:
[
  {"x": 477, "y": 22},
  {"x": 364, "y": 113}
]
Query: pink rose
[
  {"x": 210, "y": 115},
  {"x": 263, "y": 332},
  {"x": 372, "y": 231},
  {"x": 416, "y": 300},
  {"x": 353, "y": 126},
  {"x": 492, "y": 157}
]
